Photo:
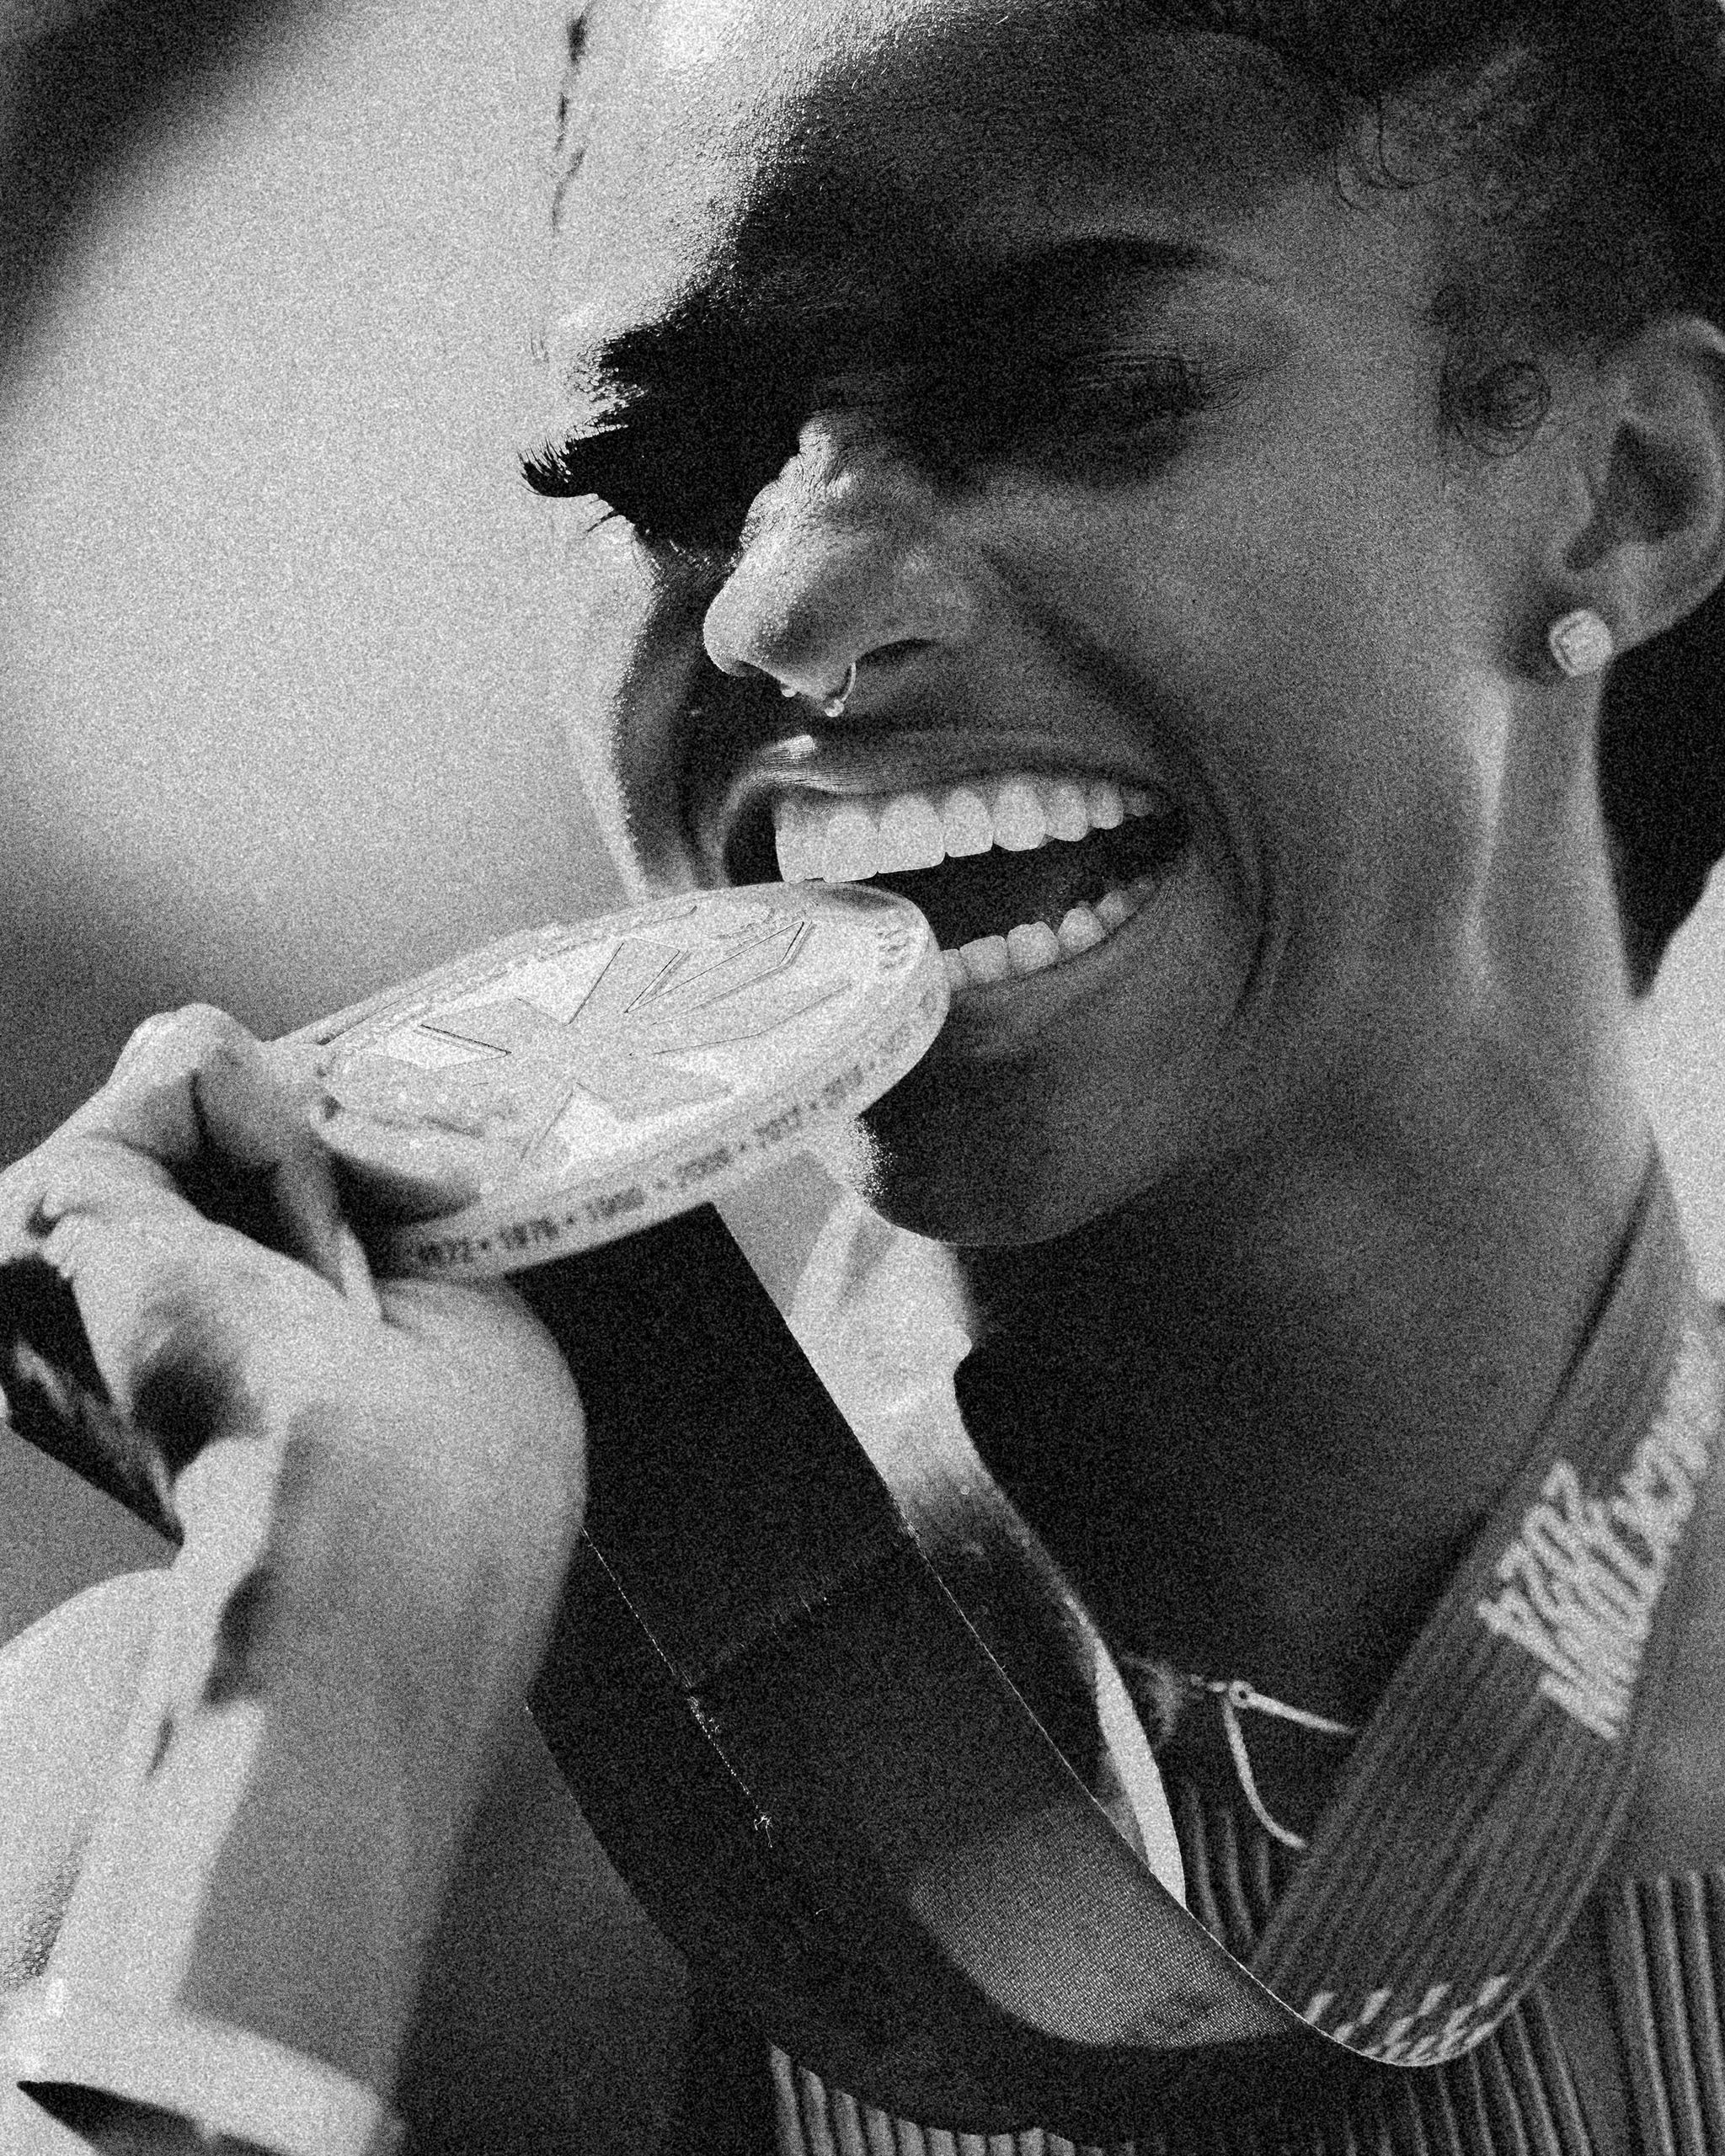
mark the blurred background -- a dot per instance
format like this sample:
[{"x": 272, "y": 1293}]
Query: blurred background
[
  {"x": 277, "y": 619},
  {"x": 274, "y": 605}
]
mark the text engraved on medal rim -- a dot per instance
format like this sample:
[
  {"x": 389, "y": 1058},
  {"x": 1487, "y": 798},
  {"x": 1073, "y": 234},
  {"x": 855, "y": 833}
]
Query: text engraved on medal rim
[{"x": 785, "y": 1119}]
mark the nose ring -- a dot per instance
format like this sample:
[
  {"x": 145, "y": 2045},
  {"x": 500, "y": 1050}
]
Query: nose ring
[{"x": 832, "y": 707}]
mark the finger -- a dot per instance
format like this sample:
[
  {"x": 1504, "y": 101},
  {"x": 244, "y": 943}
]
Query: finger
[
  {"x": 193, "y": 1105},
  {"x": 123, "y": 1283},
  {"x": 141, "y": 1124},
  {"x": 164, "y": 1293},
  {"x": 55, "y": 1397},
  {"x": 147, "y": 1104},
  {"x": 250, "y": 1116}
]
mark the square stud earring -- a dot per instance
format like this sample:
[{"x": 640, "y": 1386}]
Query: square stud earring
[{"x": 1581, "y": 642}]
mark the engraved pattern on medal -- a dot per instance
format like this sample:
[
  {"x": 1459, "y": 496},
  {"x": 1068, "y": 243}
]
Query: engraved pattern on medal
[{"x": 502, "y": 1071}]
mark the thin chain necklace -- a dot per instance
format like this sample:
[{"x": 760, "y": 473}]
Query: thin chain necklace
[
  {"x": 1161, "y": 1692},
  {"x": 1236, "y": 1697}
]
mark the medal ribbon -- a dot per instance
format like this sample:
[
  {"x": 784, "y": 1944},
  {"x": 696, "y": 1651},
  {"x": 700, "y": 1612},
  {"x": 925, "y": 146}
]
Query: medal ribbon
[
  {"x": 1479, "y": 1803},
  {"x": 864, "y": 1833},
  {"x": 1475, "y": 1812}
]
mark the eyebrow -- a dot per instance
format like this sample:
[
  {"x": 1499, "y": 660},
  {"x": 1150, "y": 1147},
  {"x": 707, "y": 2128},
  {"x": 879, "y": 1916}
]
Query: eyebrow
[{"x": 731, "y": 350}]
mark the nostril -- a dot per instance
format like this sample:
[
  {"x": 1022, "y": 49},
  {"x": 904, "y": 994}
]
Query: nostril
[
  {"x": 829, "y": 687},
  {"x": 739, "y": 670},
  {"x": 818, "y": 686}
]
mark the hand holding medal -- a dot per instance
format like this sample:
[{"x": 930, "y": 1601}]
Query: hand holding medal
[
  {"x": 574, "y": 1085},
  {"x": 375, "y": 1485}
]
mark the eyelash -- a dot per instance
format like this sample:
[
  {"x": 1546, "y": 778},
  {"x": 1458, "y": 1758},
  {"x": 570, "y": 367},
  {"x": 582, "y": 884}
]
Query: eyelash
[
  {"x": 1176, "y": 387},
  {"x": 1118, "y": 417},
  {"x": 647, "y": 486},
  {"x": 656, "y": 531}
]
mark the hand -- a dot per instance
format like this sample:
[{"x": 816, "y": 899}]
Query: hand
[{"x": 378, "y": 1485}]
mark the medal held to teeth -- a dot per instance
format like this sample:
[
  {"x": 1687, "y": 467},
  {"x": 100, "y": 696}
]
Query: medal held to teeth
[{"x": 573, "y": 1084}]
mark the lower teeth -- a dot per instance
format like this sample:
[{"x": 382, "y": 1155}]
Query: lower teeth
[{"x": 1033, "y": 947}]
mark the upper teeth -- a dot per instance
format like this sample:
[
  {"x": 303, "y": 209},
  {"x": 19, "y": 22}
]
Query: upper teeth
[{"x": 844, "y": 840}]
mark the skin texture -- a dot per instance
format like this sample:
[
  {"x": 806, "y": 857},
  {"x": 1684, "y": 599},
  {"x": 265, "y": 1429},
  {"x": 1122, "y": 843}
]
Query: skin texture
[{"x": 1283, "y": 1214}]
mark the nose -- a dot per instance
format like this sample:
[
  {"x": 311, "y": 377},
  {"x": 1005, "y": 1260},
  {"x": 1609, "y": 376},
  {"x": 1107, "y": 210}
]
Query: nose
[{"x": 846, "y": 561}]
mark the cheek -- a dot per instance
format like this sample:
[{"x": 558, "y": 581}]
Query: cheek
[
  {"x": 1302, "y": 619},
  {"x": 625, "y": 657}
]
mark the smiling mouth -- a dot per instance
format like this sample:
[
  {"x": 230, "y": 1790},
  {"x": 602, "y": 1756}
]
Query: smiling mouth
[{"x": 1016, "y": 874}]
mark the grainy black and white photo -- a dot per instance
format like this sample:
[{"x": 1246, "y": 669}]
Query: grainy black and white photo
[{"x": 863, "y": 1155}]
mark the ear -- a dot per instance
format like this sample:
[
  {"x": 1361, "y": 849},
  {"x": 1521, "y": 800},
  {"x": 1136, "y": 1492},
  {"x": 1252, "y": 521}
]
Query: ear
[{"x": 1654, "y": 547}]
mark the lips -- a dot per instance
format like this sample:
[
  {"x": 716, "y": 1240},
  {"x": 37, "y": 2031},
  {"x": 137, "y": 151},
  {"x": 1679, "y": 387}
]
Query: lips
[{"x": 1015, "y": 872}]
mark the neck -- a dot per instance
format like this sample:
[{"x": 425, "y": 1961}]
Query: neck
[{"x": 1286, "y": 1395}]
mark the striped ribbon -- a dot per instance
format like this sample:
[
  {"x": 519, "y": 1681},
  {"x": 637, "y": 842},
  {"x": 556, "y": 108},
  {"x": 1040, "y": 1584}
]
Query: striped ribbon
[{"x": 1476, "y": 1808}]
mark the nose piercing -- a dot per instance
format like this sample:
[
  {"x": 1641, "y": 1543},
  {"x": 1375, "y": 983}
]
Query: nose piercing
[
  {"x": 1581, "y": 642},
  {"x": 831, "y": 706}
]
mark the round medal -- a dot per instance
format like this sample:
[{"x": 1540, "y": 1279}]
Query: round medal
[{"x": 574, "y": 1083}]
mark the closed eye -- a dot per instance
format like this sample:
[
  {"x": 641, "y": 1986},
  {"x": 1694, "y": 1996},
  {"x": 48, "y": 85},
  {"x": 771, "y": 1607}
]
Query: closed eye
[
  {"x": 687, "y": 486},
  {"x": 679, "y": 481}
]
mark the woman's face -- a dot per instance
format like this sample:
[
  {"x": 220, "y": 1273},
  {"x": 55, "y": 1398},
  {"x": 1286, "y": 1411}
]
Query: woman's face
[{"x": 1054, "y": 379}]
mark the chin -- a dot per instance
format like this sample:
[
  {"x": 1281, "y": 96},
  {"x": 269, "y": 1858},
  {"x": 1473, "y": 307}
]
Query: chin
[{"x": 968, "y": 1157}]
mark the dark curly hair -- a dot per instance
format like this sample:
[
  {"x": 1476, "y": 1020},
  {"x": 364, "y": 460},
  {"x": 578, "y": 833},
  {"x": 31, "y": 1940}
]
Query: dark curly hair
[{"x": 1574, "y": 154}]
